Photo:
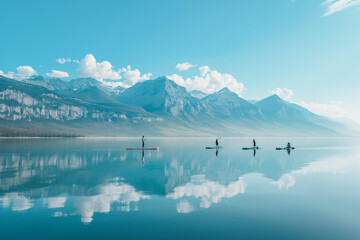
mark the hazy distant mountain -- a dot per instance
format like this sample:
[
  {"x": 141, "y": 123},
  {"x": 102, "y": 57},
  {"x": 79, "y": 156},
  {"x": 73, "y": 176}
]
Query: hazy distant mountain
[
  {"x": 75, "y": 85},
  {"x": 52, "y": 84},
  {"x": 92, "y": 95},
  {"x": 276, "y": 108},
  {"x": 85, "y": 83},
  {"x": 289, "y": 114},
  {"x": 88, "y": 90},
  {"x": 252, "y": 101},
  {"x": 227, "y": 104}
]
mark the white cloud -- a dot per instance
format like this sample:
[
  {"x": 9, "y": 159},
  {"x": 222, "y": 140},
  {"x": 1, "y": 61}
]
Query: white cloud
[
  {"x": 333, "y": 109},
  {"x": 88, "y": 67},
  {"x": 104, "y": 71},
  {"x": 177, "y": 78},
  {"x": 25, "y": 71},
  {"x": 209, "y": 81},
  {"x": 57, "y": 74},
  {"x": 131, "y": 77},
  {"x": 184, "y": 66},
  {"x": 22, "y": 72},
  {"x": 204, "y": 70},
  {"x": 284, "y": 93},
  {"x": 334, "y": 6},
  {"x": 63, "y": 60},
  {"x": 9, "y": 75}
]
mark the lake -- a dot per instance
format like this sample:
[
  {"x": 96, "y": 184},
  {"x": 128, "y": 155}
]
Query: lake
[{"x": 95, "y": 189}]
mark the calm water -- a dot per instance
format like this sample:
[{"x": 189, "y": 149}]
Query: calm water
[{"x": 94, "y": 189}]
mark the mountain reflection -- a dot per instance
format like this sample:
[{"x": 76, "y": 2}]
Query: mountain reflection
[{"x": 83, "y": 177}]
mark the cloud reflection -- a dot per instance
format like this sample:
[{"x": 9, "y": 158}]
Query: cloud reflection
[
  {"x": 17, "y": 202},
  {"x": 55, "y": 202},
  {"x": 208, "y": 191},
  {"x": 332, "y": 165},
  {"x": 122, "y": 193}
]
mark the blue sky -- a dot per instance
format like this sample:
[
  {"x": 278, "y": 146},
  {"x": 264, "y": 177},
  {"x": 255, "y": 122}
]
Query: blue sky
[{"x": 308, "y": 51}]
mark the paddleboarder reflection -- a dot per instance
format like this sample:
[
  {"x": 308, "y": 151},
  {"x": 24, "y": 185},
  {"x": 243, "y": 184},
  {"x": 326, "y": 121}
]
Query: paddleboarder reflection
[
  {"x": 254, "y": 152},
  {"x": 217, "y": 152},
  {"x": 288, "y": 151},
  {"x": 143, "y": 157}
]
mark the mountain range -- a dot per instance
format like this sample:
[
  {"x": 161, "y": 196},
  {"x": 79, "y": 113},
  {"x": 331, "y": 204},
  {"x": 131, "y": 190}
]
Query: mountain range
[{"x": 159, "y": 107}]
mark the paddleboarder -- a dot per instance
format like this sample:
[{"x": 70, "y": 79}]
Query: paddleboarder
[
  {"x": 254, "y": 143},
  {"x": 143, "y": 141},
  {"x": 217, "y": 142},
  {"x": 288, "y": 146}
]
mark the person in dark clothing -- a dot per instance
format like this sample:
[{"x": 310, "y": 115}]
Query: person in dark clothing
[
  {"x": 254, "y": 143},
  {"x": 217, "y": 142},
  {"x": 143, "y": 141},
  {"x": 288, "y": 146}
]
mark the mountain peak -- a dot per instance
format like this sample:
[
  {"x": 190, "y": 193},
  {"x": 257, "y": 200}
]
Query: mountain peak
[
  {"x": 224, "y": 93},
  {"x": 275, "y": 96},
  {"x": 87, "y": 79},
  {"x": 225, "y": 90},
  {"x": 163, "y": 79},
  {"x": 272, "y": 98}
]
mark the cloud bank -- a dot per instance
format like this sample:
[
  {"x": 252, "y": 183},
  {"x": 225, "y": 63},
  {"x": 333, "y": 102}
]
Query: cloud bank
[
  {"x": 184, "y": 66},
  {"x": 334, "y": 6},
  {"x": 209, "y": 81},
  {"x": 22, "y": 72},
  {"x": 57, "y": 74},
  {"x": 104, "y": 71},
  {"x": 89, "y": 67},
  {"x": 333, "y": 109}
]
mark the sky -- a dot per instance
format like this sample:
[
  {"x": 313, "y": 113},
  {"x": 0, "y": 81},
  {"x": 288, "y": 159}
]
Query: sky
[{"x": 306, "y": 51}]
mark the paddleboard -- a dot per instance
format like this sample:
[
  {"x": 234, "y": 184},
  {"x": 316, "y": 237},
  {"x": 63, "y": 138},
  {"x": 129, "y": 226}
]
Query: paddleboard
[
  {"x": 251, "y": 148},
  {"x": 213, "y": 147},
  {"x": 292, "y": 148},
  {"x": 155, "y": 148}
]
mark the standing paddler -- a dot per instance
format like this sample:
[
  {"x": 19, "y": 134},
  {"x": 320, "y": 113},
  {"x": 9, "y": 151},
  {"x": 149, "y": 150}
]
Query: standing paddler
[
  {"x": 217, "y": 142},
  {"x": 143, "y": 141}
]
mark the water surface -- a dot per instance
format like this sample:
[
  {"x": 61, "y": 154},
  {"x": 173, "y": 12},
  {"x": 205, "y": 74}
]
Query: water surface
[{"x": 95, "y": 189}]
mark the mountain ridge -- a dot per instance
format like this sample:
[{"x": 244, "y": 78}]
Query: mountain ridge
[{"x": 158, "y": 106}]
